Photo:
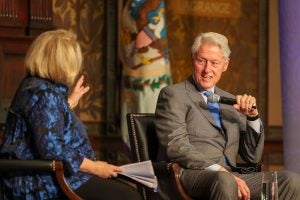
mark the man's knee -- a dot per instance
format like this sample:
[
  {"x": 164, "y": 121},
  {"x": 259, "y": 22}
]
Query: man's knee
[
  {"x": 289, "y": 185},
  {"x": 291, "y": 181},
  {"x": 225, "y": 185}
]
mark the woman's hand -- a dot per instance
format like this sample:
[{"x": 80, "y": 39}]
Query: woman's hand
[
  {"x": 99, "y": 168},
  {"x": 106, "y": 170},
  {"x": 77, "y": 92}
]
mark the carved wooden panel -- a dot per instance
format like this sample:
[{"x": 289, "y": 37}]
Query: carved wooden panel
[
  {"x": 13, "y": 16},
  {"x": 20, "y": 21},
  {"x": 12, "y": 52},
  {"x": 25, "y": 17},
  {"x": 40, "y": 16}
]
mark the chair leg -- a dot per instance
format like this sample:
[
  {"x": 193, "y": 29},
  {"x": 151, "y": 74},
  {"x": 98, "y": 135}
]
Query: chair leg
[{"x": 59, "y": 173}]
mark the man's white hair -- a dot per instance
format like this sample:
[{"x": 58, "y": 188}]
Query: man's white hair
[{"x": 213, "y": 38}]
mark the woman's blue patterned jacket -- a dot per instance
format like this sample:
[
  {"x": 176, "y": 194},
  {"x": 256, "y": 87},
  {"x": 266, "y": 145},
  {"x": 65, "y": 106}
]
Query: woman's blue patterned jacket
[{"x": 40, "y": 125}]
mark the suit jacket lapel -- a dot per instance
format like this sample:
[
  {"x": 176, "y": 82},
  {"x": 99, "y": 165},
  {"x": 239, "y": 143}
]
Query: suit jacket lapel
[
  {"x": 198, "y": 100},
  {"x": 227, "y": 114}
]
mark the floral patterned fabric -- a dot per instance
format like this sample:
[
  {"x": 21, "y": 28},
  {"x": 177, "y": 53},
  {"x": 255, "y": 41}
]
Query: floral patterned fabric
[{"x": 40, "y": 125}]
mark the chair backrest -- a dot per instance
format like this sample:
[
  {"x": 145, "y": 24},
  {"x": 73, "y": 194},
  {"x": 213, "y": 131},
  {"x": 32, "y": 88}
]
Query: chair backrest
[
  {"x": 142, "y": 136},
  {"x": 143, "y": 141},
  {"x": 144, "y": 146}
]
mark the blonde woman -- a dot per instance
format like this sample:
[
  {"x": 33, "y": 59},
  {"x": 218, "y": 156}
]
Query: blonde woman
[{"x": 41, "y": 125}]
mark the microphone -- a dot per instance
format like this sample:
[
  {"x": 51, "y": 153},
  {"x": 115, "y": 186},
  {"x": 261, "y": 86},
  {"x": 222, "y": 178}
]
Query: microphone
[{"x": 214, "y": 98}]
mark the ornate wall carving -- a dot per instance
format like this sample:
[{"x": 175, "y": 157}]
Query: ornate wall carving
[{"x": 86, "y": 19}]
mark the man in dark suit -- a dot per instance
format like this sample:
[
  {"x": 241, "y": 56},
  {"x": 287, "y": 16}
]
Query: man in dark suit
[{"x": 206, "y": 143}]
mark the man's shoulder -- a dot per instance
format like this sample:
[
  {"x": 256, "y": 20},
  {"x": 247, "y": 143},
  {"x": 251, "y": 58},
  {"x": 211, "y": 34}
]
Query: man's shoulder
[
  {"x": 179, "y": 85},
  {"x": 174, "y": 90},
  {"x": 176, "y": 85}
]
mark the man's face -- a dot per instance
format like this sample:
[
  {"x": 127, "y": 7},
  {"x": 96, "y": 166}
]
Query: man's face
[{"x": 208, "y": 65}]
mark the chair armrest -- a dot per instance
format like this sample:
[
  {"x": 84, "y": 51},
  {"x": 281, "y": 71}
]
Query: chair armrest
[
  {"x": 170, "y": 173},
  {"x": 175, "y": 170},
  {"x": 27, "y": 165},
  {"x": 54, "y": 166}
]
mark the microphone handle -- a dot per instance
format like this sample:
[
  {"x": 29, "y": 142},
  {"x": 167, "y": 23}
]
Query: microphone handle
[
  {"x": 226, "y": 100},
  {"x": 231, "y": 101}
]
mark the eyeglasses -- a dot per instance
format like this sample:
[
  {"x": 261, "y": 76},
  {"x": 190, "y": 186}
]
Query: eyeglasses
[{"x": 203, "y": 62}]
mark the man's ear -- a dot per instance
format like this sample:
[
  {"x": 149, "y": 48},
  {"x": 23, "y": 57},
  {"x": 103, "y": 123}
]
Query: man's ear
[
  {"x": 226, "y": 65},
  {"x": 192, "y": 57}
]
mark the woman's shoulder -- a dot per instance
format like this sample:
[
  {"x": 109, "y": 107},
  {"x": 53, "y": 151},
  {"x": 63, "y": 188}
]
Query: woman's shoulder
[
  {"x": 35, "y": 90},
  {"x": 39, "y": 85}
]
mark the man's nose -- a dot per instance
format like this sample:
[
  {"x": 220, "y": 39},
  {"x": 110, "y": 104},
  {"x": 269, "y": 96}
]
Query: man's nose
[{"x": 207, "y": 66}]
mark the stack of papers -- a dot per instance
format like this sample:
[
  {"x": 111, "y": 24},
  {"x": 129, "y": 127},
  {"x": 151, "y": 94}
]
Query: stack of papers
[{"x": 141, "y": 172}]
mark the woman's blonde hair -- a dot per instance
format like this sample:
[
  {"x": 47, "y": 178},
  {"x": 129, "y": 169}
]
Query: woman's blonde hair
[{"x": 55, "y": 55}]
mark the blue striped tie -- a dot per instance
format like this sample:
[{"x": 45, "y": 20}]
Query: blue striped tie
[{"x": 214, "y": 109}]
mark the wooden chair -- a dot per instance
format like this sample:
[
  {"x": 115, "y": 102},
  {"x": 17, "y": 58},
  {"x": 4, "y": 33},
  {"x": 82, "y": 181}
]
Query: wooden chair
[{"x": 53, "y": 166}]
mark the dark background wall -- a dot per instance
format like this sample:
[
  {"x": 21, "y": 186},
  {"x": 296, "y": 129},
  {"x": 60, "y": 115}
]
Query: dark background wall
[{"x": 245, "y": 22}]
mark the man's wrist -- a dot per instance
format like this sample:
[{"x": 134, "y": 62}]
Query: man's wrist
[{"x": 253, "y": 118}]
